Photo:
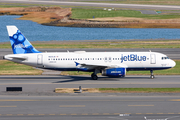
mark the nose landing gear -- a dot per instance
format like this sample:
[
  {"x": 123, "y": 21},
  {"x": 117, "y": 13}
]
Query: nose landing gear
[{"x": 152, "y": 76}]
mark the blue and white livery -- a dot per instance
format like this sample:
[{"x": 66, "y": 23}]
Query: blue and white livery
[
  {"x": 20, "y": 45},
  {"x": 113, "y": 64}
]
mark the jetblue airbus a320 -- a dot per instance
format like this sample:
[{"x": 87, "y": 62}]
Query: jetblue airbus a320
[{"x": 113, "y": 64}]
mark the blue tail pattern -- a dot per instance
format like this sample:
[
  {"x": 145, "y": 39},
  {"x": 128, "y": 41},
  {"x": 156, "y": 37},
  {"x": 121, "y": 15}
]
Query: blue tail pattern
[{"x": 20, "y": 45}]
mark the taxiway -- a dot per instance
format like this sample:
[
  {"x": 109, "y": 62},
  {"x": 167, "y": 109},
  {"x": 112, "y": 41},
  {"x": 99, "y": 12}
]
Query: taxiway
[
  {"x": 89, "y": 107},
  {"x": 37, "y": 100},
  {"x": 112, "y": 5},
  {"x": 48, "y": 83}
]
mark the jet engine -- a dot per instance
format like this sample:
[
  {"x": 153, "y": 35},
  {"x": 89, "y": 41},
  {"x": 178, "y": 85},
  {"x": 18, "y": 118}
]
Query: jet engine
[{"x": 114, "y": 72}]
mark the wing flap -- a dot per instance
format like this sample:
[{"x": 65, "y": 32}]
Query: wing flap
[{"x": 93, "y": 65}]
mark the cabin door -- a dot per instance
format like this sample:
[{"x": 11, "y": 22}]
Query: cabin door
[
  {"x": 39, "y": 59},
  {"x": 153, "y": 59}
]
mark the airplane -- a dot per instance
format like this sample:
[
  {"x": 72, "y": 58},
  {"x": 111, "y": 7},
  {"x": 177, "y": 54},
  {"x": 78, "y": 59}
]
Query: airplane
[{"x": 112, "y": 64}]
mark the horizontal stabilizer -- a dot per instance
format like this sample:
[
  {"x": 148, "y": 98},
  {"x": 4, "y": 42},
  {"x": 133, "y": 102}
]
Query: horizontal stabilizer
[
  {"x": 15, "y": 57},
  {"x": 19, "y": 57}
]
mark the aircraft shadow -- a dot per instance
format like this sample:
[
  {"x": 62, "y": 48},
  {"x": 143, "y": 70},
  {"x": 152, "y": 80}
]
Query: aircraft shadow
[
  {"x": 74, "y": 78},
  {"x": 82, "y": 78}
]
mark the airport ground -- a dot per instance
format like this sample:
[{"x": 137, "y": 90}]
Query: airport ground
[
  {"x": 92, "y": 4},
  {"x": 48, "y": 83},
  {"x": 89, "y": 107},
  {"x": 37, "y": 101}
]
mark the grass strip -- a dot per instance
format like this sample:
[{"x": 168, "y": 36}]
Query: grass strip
[
  {"x": 11, "y": 68},
  {"x": 139, "y": 90},
  {"x": 78, "y": 13},
  {"x": 119, "y": 90},
  {"x": 108, "y": 44}
]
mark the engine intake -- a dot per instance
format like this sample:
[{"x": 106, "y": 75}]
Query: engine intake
[{"x": 116, "y": 72}]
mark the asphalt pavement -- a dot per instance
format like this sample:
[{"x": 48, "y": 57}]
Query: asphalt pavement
[
  {"x": 47, "y": 83},
  {"x": 90, "y": 107},
  {"x": 112, "y": 5},
  {"x": 37, "y": 101}
]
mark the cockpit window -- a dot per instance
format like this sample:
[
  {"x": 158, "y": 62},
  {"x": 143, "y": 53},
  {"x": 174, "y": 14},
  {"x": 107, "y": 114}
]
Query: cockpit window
[{"x": 164, "y": 58}]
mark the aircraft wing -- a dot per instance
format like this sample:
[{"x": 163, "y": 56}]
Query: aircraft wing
[{"x": 100, "y": 66}]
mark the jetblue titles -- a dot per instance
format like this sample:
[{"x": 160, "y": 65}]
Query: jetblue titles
[
  {"x": 132, "y": 57},
  {"x": 20, "y": 46}
]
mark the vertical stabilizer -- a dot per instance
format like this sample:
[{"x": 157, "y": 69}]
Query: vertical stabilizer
[{"x": 19, "y": 44}]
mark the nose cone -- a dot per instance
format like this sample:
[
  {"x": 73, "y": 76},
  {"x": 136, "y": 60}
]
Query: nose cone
[{"x": 173, "y": 63}]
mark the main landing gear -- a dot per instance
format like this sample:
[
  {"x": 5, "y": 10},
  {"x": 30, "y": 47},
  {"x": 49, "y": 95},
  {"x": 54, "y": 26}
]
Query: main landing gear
[
  {"x": 152, "y": 76},
  {"x": 94, "y": 76}
]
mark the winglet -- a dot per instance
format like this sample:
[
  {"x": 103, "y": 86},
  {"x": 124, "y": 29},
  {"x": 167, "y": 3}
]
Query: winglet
[{"x": 19, "y": 44}]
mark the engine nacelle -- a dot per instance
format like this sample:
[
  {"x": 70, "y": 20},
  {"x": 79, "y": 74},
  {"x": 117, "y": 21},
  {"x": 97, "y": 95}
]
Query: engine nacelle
[{"x": 116, "y": 72}]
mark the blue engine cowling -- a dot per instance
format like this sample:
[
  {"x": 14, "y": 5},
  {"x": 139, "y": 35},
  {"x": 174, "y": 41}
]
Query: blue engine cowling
[{"x": 116, "y": 72}]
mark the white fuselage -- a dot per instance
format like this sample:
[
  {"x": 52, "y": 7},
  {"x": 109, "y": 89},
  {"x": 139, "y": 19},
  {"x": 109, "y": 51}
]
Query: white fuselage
[{"x": 66, "y": 61}]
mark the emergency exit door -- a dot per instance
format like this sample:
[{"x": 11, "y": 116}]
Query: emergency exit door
[
  {"x": 39, "y": 59},
  {"x": 153, "y": 59}
]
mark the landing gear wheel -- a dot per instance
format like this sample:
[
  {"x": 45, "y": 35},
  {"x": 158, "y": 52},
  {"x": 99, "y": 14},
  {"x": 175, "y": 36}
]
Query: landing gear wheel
[
  {"x": 123, "y": 76},
  {"x": 94, "y": 76},
  {"x": 152, "y": 76}
]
